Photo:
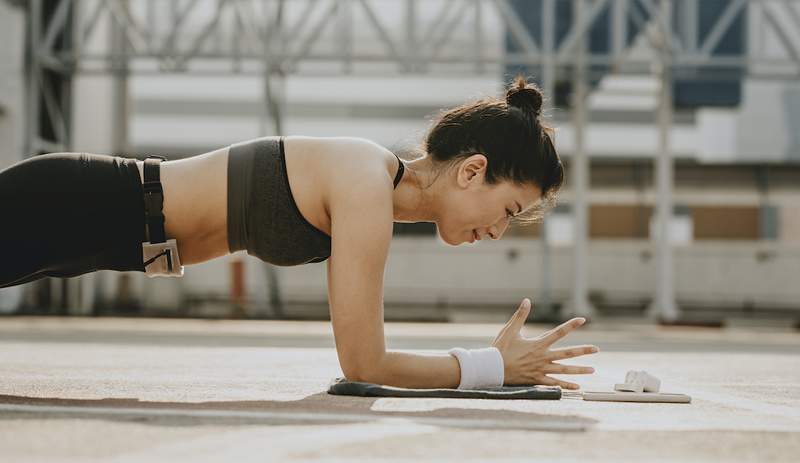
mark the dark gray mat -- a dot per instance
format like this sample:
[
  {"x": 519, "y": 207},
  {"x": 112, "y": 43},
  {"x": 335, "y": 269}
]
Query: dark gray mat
[{"x": 341, "y": 386}]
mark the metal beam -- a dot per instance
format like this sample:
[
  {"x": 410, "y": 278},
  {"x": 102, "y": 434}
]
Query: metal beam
[
  {"x": 312, "y": 37},
  {"x": 382, "y": 32},
  {"x": 33, "y": 79},
  {"x": 580, "y": 28},
  {"x": 664, "y": 306},
  {"x": 516, "y": 27},
  {"x": 722, "y": 26},
  {"x": 174, "y": 44},
  {"x": 580, "y": 305},
  {"x": 447, "y": 31},
  {"x": 548, "y": 25},
  {"x": 783, "y": 36},
  {"x": 57, "y": 23}
]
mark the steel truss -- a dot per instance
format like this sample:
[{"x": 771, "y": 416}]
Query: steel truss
[
  {"x": 275, "y": 38},
  {"x": 171, "y": 36}
]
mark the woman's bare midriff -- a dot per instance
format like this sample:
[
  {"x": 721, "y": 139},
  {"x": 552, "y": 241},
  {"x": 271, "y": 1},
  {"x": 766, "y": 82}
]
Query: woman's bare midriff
[
  {"x": 196, "y": 193},
  {"x": 196, "y": 204}
]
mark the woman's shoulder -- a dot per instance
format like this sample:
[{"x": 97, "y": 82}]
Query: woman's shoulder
[
  {"x": 337, "y": 145},
  {"x": 349, "y": 157}
]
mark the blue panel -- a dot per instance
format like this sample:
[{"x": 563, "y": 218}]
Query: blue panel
[
  {"x": 530, "y": 12},
  {"x": 706, "y": 87},
  {"x": 693, "y": 87}
]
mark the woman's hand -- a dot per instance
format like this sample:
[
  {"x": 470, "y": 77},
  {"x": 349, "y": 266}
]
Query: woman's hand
[{"x": 528, "y": 360}]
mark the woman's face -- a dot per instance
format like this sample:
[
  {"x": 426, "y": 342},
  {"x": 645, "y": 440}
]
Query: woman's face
[{"x": 468, "y": 204}]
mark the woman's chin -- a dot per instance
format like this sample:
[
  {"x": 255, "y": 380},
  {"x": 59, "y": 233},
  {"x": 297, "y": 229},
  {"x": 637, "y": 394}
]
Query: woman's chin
[{"x": 451, "y": 242}]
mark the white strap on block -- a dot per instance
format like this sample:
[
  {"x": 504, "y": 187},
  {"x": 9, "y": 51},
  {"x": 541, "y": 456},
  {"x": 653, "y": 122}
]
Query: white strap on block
[
  {"x": 639, "y": 381},
  {"x": 480, "y": 368}
]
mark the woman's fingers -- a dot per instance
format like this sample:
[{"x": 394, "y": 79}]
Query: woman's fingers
[
  {"x": 548, "y": 381},
  {"x": 572, "y": 351},
  {"x": 516, "y": 321},
  {"x": 561, "y": 330},
  {"x": 514, "y": 324},
  {"x": 558, "y": 368}
]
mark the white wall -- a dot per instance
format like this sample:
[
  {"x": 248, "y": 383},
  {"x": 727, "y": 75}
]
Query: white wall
[
  {"x": 12, "y": 116},
  {"x": 429, "y": 272}
]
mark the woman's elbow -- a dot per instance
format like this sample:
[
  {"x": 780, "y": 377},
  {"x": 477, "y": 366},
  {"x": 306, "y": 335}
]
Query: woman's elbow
[
  {"x": 365, "y": 372},
  {"x": 357, "y": 375}
]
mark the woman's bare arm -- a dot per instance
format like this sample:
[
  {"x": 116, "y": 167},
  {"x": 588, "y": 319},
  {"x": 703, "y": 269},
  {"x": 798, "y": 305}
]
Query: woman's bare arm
[
  {"x": 426, "y": 371},
  {"x": 361, "y": 230}
]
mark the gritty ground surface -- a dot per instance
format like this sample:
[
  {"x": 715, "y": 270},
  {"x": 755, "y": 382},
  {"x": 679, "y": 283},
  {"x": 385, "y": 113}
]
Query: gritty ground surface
[{"x": 193, "y": 390}]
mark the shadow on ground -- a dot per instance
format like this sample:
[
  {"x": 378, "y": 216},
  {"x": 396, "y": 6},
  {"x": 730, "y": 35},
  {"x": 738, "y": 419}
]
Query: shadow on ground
[{"x": 319, "y": 408}]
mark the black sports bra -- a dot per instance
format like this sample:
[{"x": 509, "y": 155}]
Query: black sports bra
[{"x": 263, "y": 217}]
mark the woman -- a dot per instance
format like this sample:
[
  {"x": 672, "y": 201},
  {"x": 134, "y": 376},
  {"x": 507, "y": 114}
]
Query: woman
[{"x": 294, "y": 200}]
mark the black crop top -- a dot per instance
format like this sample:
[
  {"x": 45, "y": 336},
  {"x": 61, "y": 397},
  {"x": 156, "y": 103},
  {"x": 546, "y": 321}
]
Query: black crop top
[{"x": 263, "y": 217}]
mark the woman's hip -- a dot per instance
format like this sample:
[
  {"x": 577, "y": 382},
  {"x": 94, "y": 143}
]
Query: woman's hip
[{"x": 71, "y": 213}]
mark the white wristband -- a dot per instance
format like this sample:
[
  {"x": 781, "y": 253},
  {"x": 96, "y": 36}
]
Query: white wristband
[{"x": 479, "y": 367}]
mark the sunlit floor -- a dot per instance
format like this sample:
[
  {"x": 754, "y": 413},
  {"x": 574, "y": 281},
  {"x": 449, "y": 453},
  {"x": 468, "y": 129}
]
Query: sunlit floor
[{"x": 157, "y": 389}]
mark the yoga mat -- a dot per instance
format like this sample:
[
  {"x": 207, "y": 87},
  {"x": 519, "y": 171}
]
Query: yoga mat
[{"x": 341, "y": 386}]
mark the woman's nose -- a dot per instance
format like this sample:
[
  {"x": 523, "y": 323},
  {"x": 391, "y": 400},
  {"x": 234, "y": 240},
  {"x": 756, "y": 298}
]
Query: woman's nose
[{"x": 496, "y": 232}]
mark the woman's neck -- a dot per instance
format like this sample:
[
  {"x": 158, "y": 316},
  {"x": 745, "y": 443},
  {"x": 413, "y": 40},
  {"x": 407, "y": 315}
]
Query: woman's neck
[{"x": 411, "y": 202}]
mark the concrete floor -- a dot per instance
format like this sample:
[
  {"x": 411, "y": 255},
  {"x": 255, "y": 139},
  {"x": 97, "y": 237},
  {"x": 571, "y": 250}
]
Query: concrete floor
[{"x": 75, "y": 389}]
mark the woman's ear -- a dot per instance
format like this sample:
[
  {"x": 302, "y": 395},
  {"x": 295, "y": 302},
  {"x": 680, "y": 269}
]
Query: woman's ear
[{"x": 472, "y": 169}]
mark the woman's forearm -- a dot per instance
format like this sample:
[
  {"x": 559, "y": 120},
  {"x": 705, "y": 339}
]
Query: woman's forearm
[{"x": 423, "y": 371}]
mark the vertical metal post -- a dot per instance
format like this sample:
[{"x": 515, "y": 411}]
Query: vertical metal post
[
  {"x": 120, "y": 104},
  {"x": 766, "y": 220},
  {"x": 480, "y": 66},
  {"x": 619, "y": 23},
  {"x": 344, "y": 18},
  {"x": 46, "y": 291},
  {"x": 75, "y": 295},
  {"x": 664, "y": 306},
  {"x": 689, "y": 24},
  {"x": 70, "y": 34},
  {"x": 271, "y": 109},
  {"x": 33, "y": 77},
  {"x": 238, "y": 289},
  {"x": 271, "y": 106},
  {"x": 580, "y": 302},
  {"x": 119, "y": 128},
  {"x": 411, "y": 35},
  {"x": 545, "y": 309}
]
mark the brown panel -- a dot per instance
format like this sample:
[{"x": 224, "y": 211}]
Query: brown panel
[
  {"x": 790, "y": 224},
  {"x": 725, "y": 223},
  {"x": 619, "y": 221}
]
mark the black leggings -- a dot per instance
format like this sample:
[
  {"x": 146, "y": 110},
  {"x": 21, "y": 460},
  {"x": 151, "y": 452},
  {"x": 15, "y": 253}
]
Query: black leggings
[{"x": 66, "y": 214}]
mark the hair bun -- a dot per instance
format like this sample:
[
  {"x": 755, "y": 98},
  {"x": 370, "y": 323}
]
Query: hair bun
[{"x": 525, "y": 96}]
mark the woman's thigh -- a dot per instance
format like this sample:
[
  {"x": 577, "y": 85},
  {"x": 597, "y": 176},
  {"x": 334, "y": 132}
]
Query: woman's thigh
[{"x": 66, "y": 214}]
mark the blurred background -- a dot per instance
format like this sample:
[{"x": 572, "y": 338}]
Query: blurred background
[{"x": 678, "y": 122}]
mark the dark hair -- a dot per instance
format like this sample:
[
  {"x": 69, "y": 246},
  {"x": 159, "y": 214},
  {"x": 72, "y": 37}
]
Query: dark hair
[{"x": 509, "y": 132}]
